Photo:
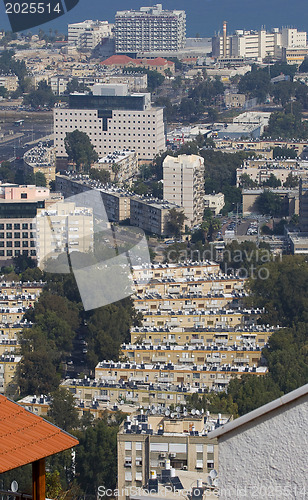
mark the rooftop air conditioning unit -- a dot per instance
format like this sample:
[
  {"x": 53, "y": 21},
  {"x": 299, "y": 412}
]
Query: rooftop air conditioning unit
[{"x": 172, "y": 455}]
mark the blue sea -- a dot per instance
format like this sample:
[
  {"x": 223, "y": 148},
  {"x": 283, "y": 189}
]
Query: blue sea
[{"x": 204, "y": 17}]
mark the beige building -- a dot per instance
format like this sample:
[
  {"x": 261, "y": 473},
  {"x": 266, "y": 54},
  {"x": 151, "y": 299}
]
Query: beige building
[
  {"x": 187, "y": 270},
  {"x": 88, "y": 34},
  {"x": 260, "y": 169},
  {"x": 223, "y": 337},
  {"x": 8, "y": 366},
  {"x": 9, "y": 82},
  {"x": 114, "y": 121},
  {"x": 234, "y": 100},
  {"x": 121, "y": 165},
  {"x": 162, "y": 446},
  {"x": 184, "y": 185},
  {"x": 215, "y": 202},
  {"x": 289, "y": 196}
]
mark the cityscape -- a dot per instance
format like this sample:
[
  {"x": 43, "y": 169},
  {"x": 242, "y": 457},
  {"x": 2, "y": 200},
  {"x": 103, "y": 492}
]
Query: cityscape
[{"x": 153, "y": 253}]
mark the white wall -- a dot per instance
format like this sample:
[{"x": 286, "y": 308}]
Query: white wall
[{"x": 267, "y": 456}]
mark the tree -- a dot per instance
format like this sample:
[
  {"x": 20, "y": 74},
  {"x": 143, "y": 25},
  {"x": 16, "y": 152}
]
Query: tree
[
  {"x": 100, "y": 175},
  {"x": 247, "y": 182},
  {"x": 80, "y": 150},
  {"x": 36, "y": 373},
  {"x": 175, "y": 222},
  {"x": 272, "y": 181},
  {"x": 41, "y": 97},
  {"x": 40, "y": 179},
  {"x": 279, "y": 152},
  {"x": 62, "y": 411},
  {"x": 269, "y": 203},
  {"x": 96, "y": 457},
  {"x": 291, "y": 181}
]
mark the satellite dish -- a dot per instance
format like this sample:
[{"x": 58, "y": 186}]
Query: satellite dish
[
  {"x": 167, "y": 413},
  {"x": 209, "y": 480},
  {"x": 14, "y": 486},
  {"x": 213, "y": 473},
  {"x": 178, "y": 409},
  {"x": 172, "y": 415},
  {"x": 193, "y": 411},
  {"x": 185, "y": 413},
  {"x": 216, "y": 482},
  {"x": 197, "y": 412}
]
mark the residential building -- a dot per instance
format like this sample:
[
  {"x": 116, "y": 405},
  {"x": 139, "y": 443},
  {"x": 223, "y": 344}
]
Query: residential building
[
  {"x": 150, "y": 29},
  {"x": 298, "y": 243},
  {"x": 8, "y": 366},
  {"x": 62, "y": 227},
  {"x": 265, "y": 434},
  {"x": 260, "y": 169},
  {"x": 215, "y": 202},
  {"x": 121, "y": 165},
  {"x": 234, "y": 100},
  {"x": 151, "y": 214},
  {"x": 303, "y": 204},
  {"x": 184, "y": 185},
  {"x": 41, "y": 159},
  {"x": 152, "y": 445},
  {"x": 114, "y": 120},
  {"x": 88, "y": 34},
  {"x": 294, "y": 55},
  {"x": 9, "y": 82}
]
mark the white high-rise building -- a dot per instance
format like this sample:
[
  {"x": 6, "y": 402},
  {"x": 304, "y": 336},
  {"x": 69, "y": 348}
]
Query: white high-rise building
[
  {"x": 151, "y": 29},
  {"x": 88, "y": 34},
  {"x": 114, "y": 121},
  {"x": 184, "y": 185}
]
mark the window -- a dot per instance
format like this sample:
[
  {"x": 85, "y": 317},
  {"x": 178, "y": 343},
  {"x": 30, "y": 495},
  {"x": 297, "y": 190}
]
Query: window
[
  {"x": 138, "y": 446},
  {"x": 16, "y": 226},
  {"x": 128, "y": 445},
  {"x": 210, "y": 448},
  {"x": 24, "y": 196},
  {"x": 16, "y": 235}
]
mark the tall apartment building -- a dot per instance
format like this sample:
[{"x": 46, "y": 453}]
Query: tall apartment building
[
  {"x": 151, "y": 29},
  {"x": 184, "y": 185},
  {"x": 114, "y": 120},
  {"x": 165, "y": 446},
  {"x": 257, "y": 44},
  {"x": 88, "y": 34},
  {"x": 63, "y": 226},
  {"x": 303, "y": 204}
]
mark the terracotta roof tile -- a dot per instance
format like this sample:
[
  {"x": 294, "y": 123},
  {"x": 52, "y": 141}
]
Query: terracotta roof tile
[{"x": 25, "y": 437}]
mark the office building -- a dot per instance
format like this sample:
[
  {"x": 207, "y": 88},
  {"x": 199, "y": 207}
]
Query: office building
[
  {"x": 114, "y": 120},
  {"x": 88, "y": 34},
  {"x": 151, "y": 29},
  {"x": 184, "y": 185}
]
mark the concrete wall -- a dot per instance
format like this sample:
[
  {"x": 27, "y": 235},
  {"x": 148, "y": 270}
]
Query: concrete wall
[{"x": 266, "y": 458}]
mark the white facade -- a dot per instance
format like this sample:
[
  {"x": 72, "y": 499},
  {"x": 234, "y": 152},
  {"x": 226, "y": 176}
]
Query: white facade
[
  {"x": 150, "y": 29},
  {"x": 258, "y": 44},
  {"x": 139, "y": 131},
  {"x": 88, "y": 34},
  {"x": 184, "y": 185},
  {"x": 264, "y": 453},
  {"x": 215, "y": 202},
  {"x": 9, "y": 82}
]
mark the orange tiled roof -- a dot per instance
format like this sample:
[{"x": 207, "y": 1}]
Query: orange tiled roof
[
  {"x": 158, "y": 61},
  {"x": 25, "y": 437},
  {"x": 118, "y": 59}
]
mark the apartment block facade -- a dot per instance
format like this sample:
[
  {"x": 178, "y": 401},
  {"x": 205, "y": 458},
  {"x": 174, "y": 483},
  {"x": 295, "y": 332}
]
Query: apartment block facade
[
  {"x": 303, "y": 204},
  {"x": 184, "y": 185},
  {"x": 113, "y": 123},
  {"x": 151, "y": 29},
  {"x": 88, "y": 34}
]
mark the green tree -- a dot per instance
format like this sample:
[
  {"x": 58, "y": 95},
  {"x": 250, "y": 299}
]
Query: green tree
[
  {"x": 247, "y": 182},
  {"x": 272, "y": 181},
  {"x": 41, "y": 97},
  {"x": 40, "y": 179},
  {"x": 279, "y": 152},
  {"x": 62, "y": 411},
  {"x": 291, "y": 181},
  {"x": 269, "y": 203},
  {"x": 175, "y": 222},
  {"x": 80, "y": 150}
]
